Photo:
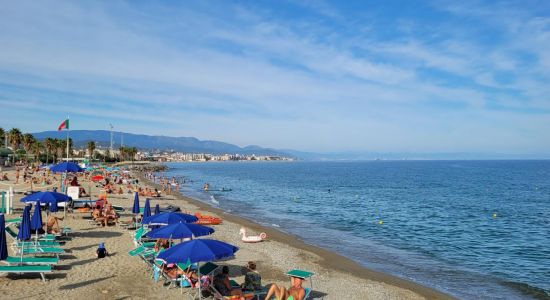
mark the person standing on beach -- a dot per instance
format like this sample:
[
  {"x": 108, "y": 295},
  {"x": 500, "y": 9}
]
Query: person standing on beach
[{"x": 17, "y": 175}]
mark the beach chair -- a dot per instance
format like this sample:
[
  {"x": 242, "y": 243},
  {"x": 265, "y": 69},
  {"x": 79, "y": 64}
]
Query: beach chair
[
  {"x": 13, "y": 235},
  {"x": 31, "y": 260},
  {"x": 41, "y": 251},
  {"x": 42, "y": 269},
  {"x": 139, "y": 240}
]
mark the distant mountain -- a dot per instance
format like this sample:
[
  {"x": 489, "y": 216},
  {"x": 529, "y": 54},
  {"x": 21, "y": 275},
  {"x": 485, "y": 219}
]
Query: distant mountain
[{"x": 141, "y": 141}]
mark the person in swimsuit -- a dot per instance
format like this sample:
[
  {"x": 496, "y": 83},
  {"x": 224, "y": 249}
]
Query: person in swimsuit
[
  {"x": 222, "y": 284},
  {"x": 295, "y": 292},
  {"x": 53, "y": 224}
]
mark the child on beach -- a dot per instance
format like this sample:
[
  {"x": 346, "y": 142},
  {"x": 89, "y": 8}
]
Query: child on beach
[{"x": 101, "y": 251}]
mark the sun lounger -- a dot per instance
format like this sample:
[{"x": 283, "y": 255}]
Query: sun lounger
[
  {"x": 27, "y": 269},
  {"x": 31, "y": 260},
  {"x": 41, "y": 251},
  {"x": 39, "y": 243}
]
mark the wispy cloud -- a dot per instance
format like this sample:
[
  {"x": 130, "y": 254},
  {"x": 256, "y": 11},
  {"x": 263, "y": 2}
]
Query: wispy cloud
[{"x": 306, "y": 74}]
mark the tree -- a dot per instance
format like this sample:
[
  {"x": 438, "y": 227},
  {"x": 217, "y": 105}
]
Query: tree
[
  {"x": 2, "y": 134},
  {"x": 59, "y": 148},
  {"x": 122, "y": 151},
  {"x": 36, "y": 149},
  {"x": 15, "y": 137},
  {"x": 133, "y": 152},
  {"x": 49, "y": 145},
  {"x": 91, "y": 149},
  {"x": 28, "y": 140}
]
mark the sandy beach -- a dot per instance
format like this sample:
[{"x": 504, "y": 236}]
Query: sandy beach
[{"x": 80, "y": 275}]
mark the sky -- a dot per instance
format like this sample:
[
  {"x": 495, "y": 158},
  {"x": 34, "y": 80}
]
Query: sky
[{"x": 323, "y": 76}]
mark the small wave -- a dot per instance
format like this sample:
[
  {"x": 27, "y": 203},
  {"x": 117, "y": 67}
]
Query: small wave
[
  {"x": 275, "y": 225},
  {"x": 526, "y": 289},
  {"x": 213, "y": 199}
]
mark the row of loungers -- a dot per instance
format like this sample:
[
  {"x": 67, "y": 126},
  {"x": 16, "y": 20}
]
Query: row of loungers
[
  {"x": 144, "y": 250},
  {"x": 34, "y": 256}
]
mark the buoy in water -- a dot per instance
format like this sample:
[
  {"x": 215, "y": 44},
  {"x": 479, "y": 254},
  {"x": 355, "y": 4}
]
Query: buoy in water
[
  {"x": 494, "y": 215},
  {"x": 380, "y": 222}
]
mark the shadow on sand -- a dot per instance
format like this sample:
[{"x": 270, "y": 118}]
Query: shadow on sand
[
  {"x": 97, "y": 234},
  {"x": 83, "y": 283}
]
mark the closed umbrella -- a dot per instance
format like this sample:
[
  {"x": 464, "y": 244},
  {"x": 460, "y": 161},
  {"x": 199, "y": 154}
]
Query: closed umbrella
[
  {"x": 166, "y": 218},
  {"x": 36, "y": 220},
  {"x": 157, "y": 209},
  {"x": 3, "y": 242},
  {"x": 147, "y": 209},
  {"x": 135, "y": 208},
  {"x": 24, "y": 233}
]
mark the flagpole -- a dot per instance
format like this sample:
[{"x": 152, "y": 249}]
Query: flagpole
[{"x": 69, "y": 125}]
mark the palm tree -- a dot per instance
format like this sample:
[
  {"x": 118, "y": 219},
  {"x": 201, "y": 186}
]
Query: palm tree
[
  {"x": 28, "y": 140},
  {"x": 122, "y": 151},
  {"x": 2, "y": 134},
  {"x": 15, "y": 137},
  {"x": 59, "y": 148},
  {"x": 91, "y": 149},
  {"x": 133, "y": 152},
  {"x": 49, "y": 144},
  {"x": 36, "y": 149}
]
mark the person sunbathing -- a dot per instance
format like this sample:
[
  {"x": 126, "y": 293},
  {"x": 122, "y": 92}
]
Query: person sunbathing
[
  {"x": 53, "y": 224},
  {"x": 295, "y": 292},
  {"x": 172, "y": 271},
  {"x": 5, "y": 177},
  {"x": 223, "y": 286},
  {"x": 110, "y": 214},
  {"x": 161, "y": 244}
]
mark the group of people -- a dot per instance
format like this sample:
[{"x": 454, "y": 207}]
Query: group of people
[{"x": 103, "y": 213}]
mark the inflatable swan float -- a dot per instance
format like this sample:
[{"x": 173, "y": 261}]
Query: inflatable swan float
[{"x": 252, "y": 238}]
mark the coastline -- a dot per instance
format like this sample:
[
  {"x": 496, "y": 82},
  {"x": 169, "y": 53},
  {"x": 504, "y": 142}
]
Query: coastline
[{"x": 327, "y": 259}]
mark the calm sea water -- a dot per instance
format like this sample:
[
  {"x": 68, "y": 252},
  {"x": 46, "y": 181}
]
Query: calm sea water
[{"x": 474, "y": 229}]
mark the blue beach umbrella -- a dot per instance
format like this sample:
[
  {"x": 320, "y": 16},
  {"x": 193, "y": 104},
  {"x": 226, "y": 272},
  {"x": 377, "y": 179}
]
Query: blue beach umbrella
[
  {"x": 53, "y": 206},
  {"x": 65, "y": 167},
  {"x": 36, "y": 220},
  {"x": 157, "y": 209},
  {"x": 194, "y": 251},
  {"x": 25, "y": 226},
  {"x": 167, "y": 218},
  {"x": 46, "y": 197},
  {"x": 3, "y": 243},
  {"x": 135, "y": 208},
  {"x": 180, "y": 231},
  {"x": 147, "y": 209}
]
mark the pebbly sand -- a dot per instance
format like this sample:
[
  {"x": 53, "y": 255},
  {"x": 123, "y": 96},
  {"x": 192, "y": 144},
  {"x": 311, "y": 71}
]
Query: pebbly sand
[{"x": 80, "y": 275}]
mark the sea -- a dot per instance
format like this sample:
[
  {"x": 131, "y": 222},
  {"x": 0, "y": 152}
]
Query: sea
[{"x": 472, "y": 229}]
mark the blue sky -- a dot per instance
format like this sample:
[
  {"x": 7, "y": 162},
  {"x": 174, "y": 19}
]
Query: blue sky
[{"x": 383, "y": 76}]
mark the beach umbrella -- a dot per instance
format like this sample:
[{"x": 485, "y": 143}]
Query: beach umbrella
[
  {"x": 3, "y": 242},
  {"x": 157, "y": 209},
  {"x": 65, "y": 167},
  {"x": 196, "y": 251},
  {"x": 97, "y": 178},
  {"x": 46, "y": 197},
  {"x": 53, "y": 206},
  {"x": 147, "y": 209},
  {"x": 25, "y": 226},
  {"x": 180, "y": 231},
  {"x": 135, "y": 208},
  {"x": 36, "y": 220},
  {"x": 167, "y": 218}
]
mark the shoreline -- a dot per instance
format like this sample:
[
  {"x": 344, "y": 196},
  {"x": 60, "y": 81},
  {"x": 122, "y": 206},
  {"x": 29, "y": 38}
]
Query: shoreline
[{"x": 328, "y": 259}]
